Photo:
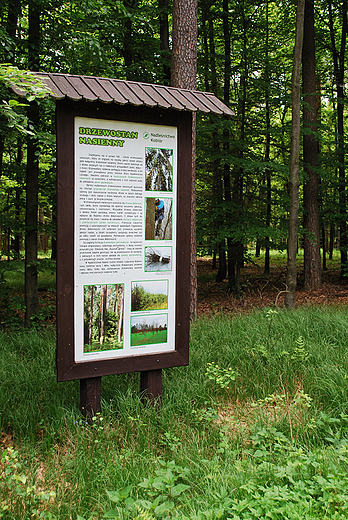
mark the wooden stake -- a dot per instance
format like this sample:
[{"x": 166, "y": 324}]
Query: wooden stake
[
  {"x": 90, "y": 396},
  {"x": 151, "y": 386}
]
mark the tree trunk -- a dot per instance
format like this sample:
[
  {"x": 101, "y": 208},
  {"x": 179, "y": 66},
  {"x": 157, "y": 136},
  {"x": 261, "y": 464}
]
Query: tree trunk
[
  {"x": 164, "y": 39},
  {"x": 312, "y": 267},
  {"x": 339, "y": 69},
  {"x": 291, "y": 272},
  {"x": 120, "y": 319},
  {"x": 184, "y": 75},
  {"x": 90, "y": 327},
  {"x": 32, "y": 179},
  {"x": 267, "y": 151}
]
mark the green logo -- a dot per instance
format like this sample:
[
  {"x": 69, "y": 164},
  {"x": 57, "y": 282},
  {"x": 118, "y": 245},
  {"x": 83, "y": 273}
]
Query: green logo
[{"x": 146, "y": 135}]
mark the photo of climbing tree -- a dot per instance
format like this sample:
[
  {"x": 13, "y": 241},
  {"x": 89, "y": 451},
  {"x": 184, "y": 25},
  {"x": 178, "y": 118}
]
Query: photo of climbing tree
[
  {"x": 149, "y": 295},
  {"x": 103, "y": 317},
  {"x": 158, "y": 259},
  {"x": 158, "y": 169},
  {"x": 158, "y": 219},
  {"x": 148, "y": 330}
]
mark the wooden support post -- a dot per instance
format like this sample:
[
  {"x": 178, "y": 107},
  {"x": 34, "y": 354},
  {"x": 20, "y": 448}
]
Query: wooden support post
[
  {"x": 90, "y": 396},
  {"x": 151, "y": 386}
]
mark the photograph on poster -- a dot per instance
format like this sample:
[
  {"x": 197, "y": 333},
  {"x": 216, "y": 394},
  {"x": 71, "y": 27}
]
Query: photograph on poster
[
  {"x": 149, "y": 329},
  {"x": 151, "y": 295},
  {"x": 159, "y": 169},
  {"x": 158, "y": 218},
  {"x": 158, "y": 259},
  {"x": 103, "y": 317}
]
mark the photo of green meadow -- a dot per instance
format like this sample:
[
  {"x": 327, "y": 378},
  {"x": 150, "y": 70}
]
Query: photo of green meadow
[
  {"x": 149, "y": 295},
  {"x": 149, "y": 330}
]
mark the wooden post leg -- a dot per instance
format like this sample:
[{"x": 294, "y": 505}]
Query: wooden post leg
[
  {"x": 151, "y": 386},
  {"x": 90, "y": 396}
]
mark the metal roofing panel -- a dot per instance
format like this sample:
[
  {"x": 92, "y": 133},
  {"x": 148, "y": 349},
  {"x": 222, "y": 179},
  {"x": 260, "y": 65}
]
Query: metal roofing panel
[
  {"x": 112, "y": 91},
  {"x": 216, "y": 101},
  {"x": 154, "y": 94},
  {"x": 195, "y": 101},
  {"x": 109, "y": 90},
  {"x": 182, "y": 99},
  {"x": 126, "y": 92},
  {"x": 170, "y": 96},
  {"x": 55, "y": 91},
  {"x": 62, "y": 83},
  {"x": 141, "y": 94},
  {"x": 81, "y": 87},
  {"x": 98, "y": 89}
]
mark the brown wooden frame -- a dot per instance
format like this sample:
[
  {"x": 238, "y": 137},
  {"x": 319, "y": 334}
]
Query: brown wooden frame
[{"x": 66, "y": 111}]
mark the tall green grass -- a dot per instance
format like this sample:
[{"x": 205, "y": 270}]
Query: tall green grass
[{"x": 235, "y": 441}]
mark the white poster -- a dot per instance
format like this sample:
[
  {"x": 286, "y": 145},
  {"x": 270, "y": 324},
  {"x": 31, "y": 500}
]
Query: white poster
[{"x": 125, "y": 238}]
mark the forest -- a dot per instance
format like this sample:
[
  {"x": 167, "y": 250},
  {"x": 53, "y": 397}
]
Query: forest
[
  {"x": 103, "y": 317},
  {"x": 245, "y": 56}
]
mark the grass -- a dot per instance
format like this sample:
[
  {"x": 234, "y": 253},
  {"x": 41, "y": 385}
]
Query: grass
[
  {"x": 148, "y": 338},
  {"x": 271, "y": 440}
]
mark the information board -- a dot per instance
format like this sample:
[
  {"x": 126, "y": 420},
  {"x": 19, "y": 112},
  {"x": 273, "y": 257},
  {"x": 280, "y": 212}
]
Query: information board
[{"x": 125, "y": 238}]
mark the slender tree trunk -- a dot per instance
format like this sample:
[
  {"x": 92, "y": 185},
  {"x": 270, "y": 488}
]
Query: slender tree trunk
[
  {"x": 323, "y": 234},
  {"x": 32, "y": 180},
  {"x": 164, "y": 39},
  {"x": 183, "y": 75},
  {"x": 291, "y": 272},
  {"x": 235, "y": 248},
  {"x": 312, "y": 267},
  {"x": 103, "y": 313},
  {"x": 267, "y": 151},
  {"x": 17, "y": 233},
  {"x": 332, "y": 241},
  {"x": 90, "y": 328},
  {"x": 339, "y": 69},
  {"x": 120, "y": 319}
]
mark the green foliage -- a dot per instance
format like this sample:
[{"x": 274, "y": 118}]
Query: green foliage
[
  {"x": 221, "y": 377},
  {"x": 19, "y": 499},
  {"x": 11, "y": 76},
  {"x": 162, "y": 494},
  {"x": 144, "y": 300},
  {"x": 274, "y": 446}
]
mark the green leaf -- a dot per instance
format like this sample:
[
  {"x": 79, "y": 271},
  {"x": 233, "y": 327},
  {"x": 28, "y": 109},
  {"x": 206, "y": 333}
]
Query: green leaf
[
  {"x": 159, "y": 485},
  {"x": 162, "y": 508},
  {"x": 113, "y": 513},
  {"x": 178, "y": 489}
]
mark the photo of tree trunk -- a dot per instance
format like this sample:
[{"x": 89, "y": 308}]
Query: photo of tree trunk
[
  {"x": 103, "y": 317},
  {"x": 159, "y": 169},
  {"x": 158, "y": 219},
  {"x": 149, "y": 330}
]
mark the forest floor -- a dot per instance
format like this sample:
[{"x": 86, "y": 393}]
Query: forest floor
[
  {"x": 260, "y": 291},
  {"x": 257, "y": 289}
]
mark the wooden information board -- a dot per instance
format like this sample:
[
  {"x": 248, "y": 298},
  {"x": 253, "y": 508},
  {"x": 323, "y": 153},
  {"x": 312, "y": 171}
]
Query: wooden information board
[{"x": 123, "y": 238}]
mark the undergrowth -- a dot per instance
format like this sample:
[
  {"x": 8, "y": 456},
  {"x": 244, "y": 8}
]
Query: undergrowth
[{"x": 255, "y": 427}]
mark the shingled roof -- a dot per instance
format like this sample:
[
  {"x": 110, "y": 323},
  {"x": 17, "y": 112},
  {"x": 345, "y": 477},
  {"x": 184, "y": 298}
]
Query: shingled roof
[{"x": 106, "y": 90}]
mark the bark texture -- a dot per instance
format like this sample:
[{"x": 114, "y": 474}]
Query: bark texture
[
  {"x": 339, "y": 59},
  {"x": 291, "y": 271},
  {"x": 32, "y": 182},
  {"x": 312, "y": 267},
  {"x": 184, "y": 75}
]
